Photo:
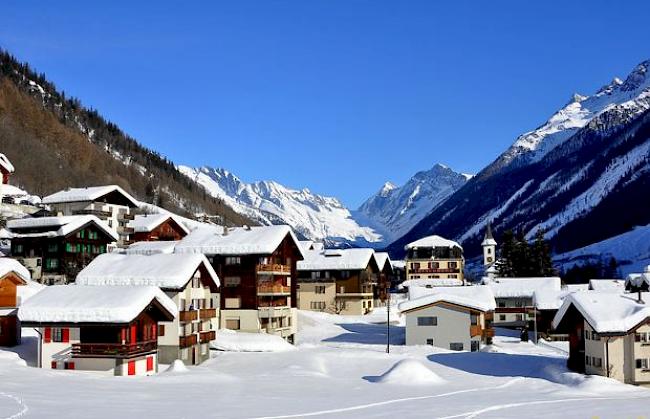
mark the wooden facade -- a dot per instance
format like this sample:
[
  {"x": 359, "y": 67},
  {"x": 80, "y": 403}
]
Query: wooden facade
[
  {"x": 9, "y": 301},
  {"x": 61, "y": 255},
  {"x": 168, "y": 230}
]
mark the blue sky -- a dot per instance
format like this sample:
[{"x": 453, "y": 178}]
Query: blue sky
[{"x": 334, "y": 95}]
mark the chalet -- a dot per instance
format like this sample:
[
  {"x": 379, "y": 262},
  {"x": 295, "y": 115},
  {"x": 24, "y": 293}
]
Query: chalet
[
  {"x": 108, "y": 329},
  {"x": 609, "y": 334},
  {"x": 434, "y": 257},
  {"x": 157, "y": 227},
  {"x": 55, "y": 249},
  {"x": 257, "y": 267},
  {"x": 6, "y": 169},
  {"x": 385, "y": 278},
  {"x": 110, "y": 203},
  {"x": 546, "y": 302},
  {"x": 341, "y": 281},
  {"x": 514, "y": 297},
  {"x": 638, "y": 281},
  {"x": 187, "y": 279},
  {"x": 16, "y": 287},
  {"x": 455, "y": 318}
]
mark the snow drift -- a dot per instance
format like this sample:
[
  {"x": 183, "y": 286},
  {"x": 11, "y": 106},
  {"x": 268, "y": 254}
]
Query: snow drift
[
  {"x": 409, "y": 372},
  {"x": 229, "y": 340}
]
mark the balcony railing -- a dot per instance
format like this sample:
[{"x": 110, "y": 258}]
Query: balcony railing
[
  {"x": 273, "y": 289},
  {"x": 271, "y": 312},
  {"x": 113, "y": 350},
  {"x": 273, "y": 268},
  {"x": 475, "y": 330},
  {"x": 125, "y": 230},
  {"x": 207, "y": 337},
  {"x": 435, "y": 271},
  {"x": 207, "y": 313},
  {"x": 188, "y": 315},
  {"x": 185, "y": 341},
  {"x": 125, "y": 216},
  {"x": 98, "y": 213}
]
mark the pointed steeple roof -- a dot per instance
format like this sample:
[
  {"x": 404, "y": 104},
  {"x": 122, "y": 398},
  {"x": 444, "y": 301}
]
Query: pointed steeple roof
[{"x": 488, "y": 239}]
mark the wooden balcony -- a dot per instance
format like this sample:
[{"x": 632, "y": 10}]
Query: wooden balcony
[
  {"x": 488, "y": 333},
  {"x": 186, "y": 341},
  {"x": 125, "y": 230},
  {"x": 125, "y": 216},
  {"x": 188, "y": 315},
  {"x": 435, "y": 271},
  {"x": 475, "y": 330},
  {"x": 273, "y": 290},
  {"x": 207, "y": 337},
  {"x": 97, "y": 213},
  {"x": 112, "y": 350},
  {"x": 273, "y": 268},
  {"x": 207, "y": 313}
]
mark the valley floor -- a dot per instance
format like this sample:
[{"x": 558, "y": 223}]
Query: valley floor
[{"x": 337, "y": 371}]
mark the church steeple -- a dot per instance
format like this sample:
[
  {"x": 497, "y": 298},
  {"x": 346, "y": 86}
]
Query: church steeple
[{"x": 489, "y": 246}]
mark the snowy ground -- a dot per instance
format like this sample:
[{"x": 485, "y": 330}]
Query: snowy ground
[{"x": 338, "y": 370}]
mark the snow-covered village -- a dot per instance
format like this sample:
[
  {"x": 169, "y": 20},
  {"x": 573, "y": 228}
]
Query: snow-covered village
[{"x": 444, "y": 234}]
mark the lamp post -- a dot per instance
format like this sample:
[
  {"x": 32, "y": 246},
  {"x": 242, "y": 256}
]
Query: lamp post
[{"x": 388, "y": 324}]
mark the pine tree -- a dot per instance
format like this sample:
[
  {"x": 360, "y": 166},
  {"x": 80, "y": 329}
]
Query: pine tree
[{"x": 504, "y": 265}]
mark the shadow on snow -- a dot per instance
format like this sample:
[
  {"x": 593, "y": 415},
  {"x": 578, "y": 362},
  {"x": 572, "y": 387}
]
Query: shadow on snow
[{"x": 369, "y": 334}]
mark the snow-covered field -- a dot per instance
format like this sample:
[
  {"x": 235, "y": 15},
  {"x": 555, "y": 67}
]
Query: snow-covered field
[{"x": 340, "y": 369}]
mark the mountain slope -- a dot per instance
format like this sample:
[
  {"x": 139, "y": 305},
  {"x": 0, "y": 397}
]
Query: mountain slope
[
  {"x": 54, "y": 142},
  {"x": 313, "y": 216},
  {"x": 582, "y": 176},
  {"x": 395, "y": 210}
]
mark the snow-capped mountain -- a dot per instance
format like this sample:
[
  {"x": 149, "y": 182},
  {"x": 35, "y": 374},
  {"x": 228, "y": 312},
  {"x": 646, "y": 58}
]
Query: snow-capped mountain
[
  {"x": 312, "y": 216},
  {"x": 582, "y": 176},
  {"x": 395, "y": 210}
]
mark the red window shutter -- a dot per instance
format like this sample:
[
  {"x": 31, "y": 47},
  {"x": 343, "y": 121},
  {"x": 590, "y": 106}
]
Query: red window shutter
[
  {"x": 65, "y": 335},
  {"x": 131, "y": 367},
  {"x": 53, "y": 365},
  {"x": 69, "y": 365},
  {"x": 47, "y": 335},
  {"x": 134, "y": 334},
  {"x": 154, "y": 332},
  {"x": 150, "y": 363}
]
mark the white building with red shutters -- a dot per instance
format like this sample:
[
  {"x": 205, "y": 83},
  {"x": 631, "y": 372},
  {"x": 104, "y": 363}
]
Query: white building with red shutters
[{"x": 111, "y": 329}]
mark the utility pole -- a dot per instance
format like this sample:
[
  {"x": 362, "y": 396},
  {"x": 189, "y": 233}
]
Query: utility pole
[{"x": 388, "y": 324}]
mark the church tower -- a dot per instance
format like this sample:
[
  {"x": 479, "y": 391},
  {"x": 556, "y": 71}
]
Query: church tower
[{"x": 489, "y": 247}]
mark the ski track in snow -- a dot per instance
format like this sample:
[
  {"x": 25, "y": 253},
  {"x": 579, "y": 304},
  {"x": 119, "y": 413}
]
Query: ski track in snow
[
  {"x": 387, "y": 402},
  {"x": 23, "y": 407}
]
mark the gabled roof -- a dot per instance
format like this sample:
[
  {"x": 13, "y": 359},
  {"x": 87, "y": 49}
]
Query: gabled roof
[
  {"x": 488, "y": 238},
  {"x": 478, "y": 297},
  {"x": 5, "y": 164},
  {"x": 168, "y": 271},
  {"x": 432, "y": 241},
  {"x": 382, "y": 258},
  {"x": 8, "y": 265},
  {"x": 549, "y": 298},
  {"x": 336, "y": 259},
  {"x": 150, "y": 248},
  {"x": 211, "y": 240},
  {"x": 88, "y": 195},
  {"x": 522, "y": 287},
  {"x": 607, "y": 312},
  {"x": 148, "y": 222},
  {"x": 638, "y": 280},
  {"x": 89, "y": 304},
  {"x": 56, "y": 226}
]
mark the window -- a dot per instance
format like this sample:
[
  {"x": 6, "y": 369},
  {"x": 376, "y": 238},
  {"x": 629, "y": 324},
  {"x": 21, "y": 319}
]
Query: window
[
  {"x": 315, "y": 275},
  {"x": 233, "y": 260},
  {"x": 427, "y": 321},
  {"x": 502, "y": 304},
  {"x": 519, "y": 303},
  {"x": 473, "y": 319},
  {"x": 489, "y": 252},
  {"x": 51, "y": 263},
  {"x": 475, "y": 345},
  {"x": 519, "y": 317},
  {"x": 161, "y": 330},
  {"x": 232, "y": 324},
  {"x": 642, "y": 337},
  {"x": 345, "y": 274},
  {"x": 18, "y": 248},
  {"x": 642, "y": 363},
  {"x": 57, "y": 334},
  {"x": 52, "y": 247},
  {"x": 430, "y": 342},
  {"x": 588, "y": 360},
  {"x": 453, "y": 265},
  {"x": 232, "y": 281},
  {"x": 320, "y": 289},
  {"x": 598, "y": 362},
  {"x": 594, "y": 336},
  {"x": 502, "y": 317},
  {"x": 68, "y": 365},
  {"x": 456, "y": 346}
]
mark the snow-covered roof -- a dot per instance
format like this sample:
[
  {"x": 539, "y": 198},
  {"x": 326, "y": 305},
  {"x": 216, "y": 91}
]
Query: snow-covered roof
[
  {"x": 148, "y": 222},
  {"x": 382, "y": 258},
  {"x": 169, "y": 271},
  {"x": 87, "y": 195},
  {"x": 210, "y": 240},
  {"x": 12, "y": 265},
  {"x": 522, "y": 287},
  {"x": 5, "y": 164},
  {"x": 638, "y": 280},
  {"x": 336, "y": 259},
  {"x": 550, "y": 299},
  {"x": 90, "y": 304},
  {"x": 479, "y": 297},
  {"x": 56, "y": 226},
  {"x": 398, "y": 264},
  {"x": 150, "y": 248},
  {"x": 431, "y": 282},
  {"x": 613, "y": 285},
  {"x": 432, "y": 241},
  {"x": 607, "y": 312}
]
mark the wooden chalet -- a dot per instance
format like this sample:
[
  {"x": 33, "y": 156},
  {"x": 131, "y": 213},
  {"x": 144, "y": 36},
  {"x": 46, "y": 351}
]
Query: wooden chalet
[
  {"x": 157, "y": 227},
  {"x": 15, "y": 288},
  {"x": 55, "y": 249}
]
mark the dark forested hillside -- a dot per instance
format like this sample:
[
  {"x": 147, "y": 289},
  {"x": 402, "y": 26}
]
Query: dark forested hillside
[{"x": 54, "y": 142}]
